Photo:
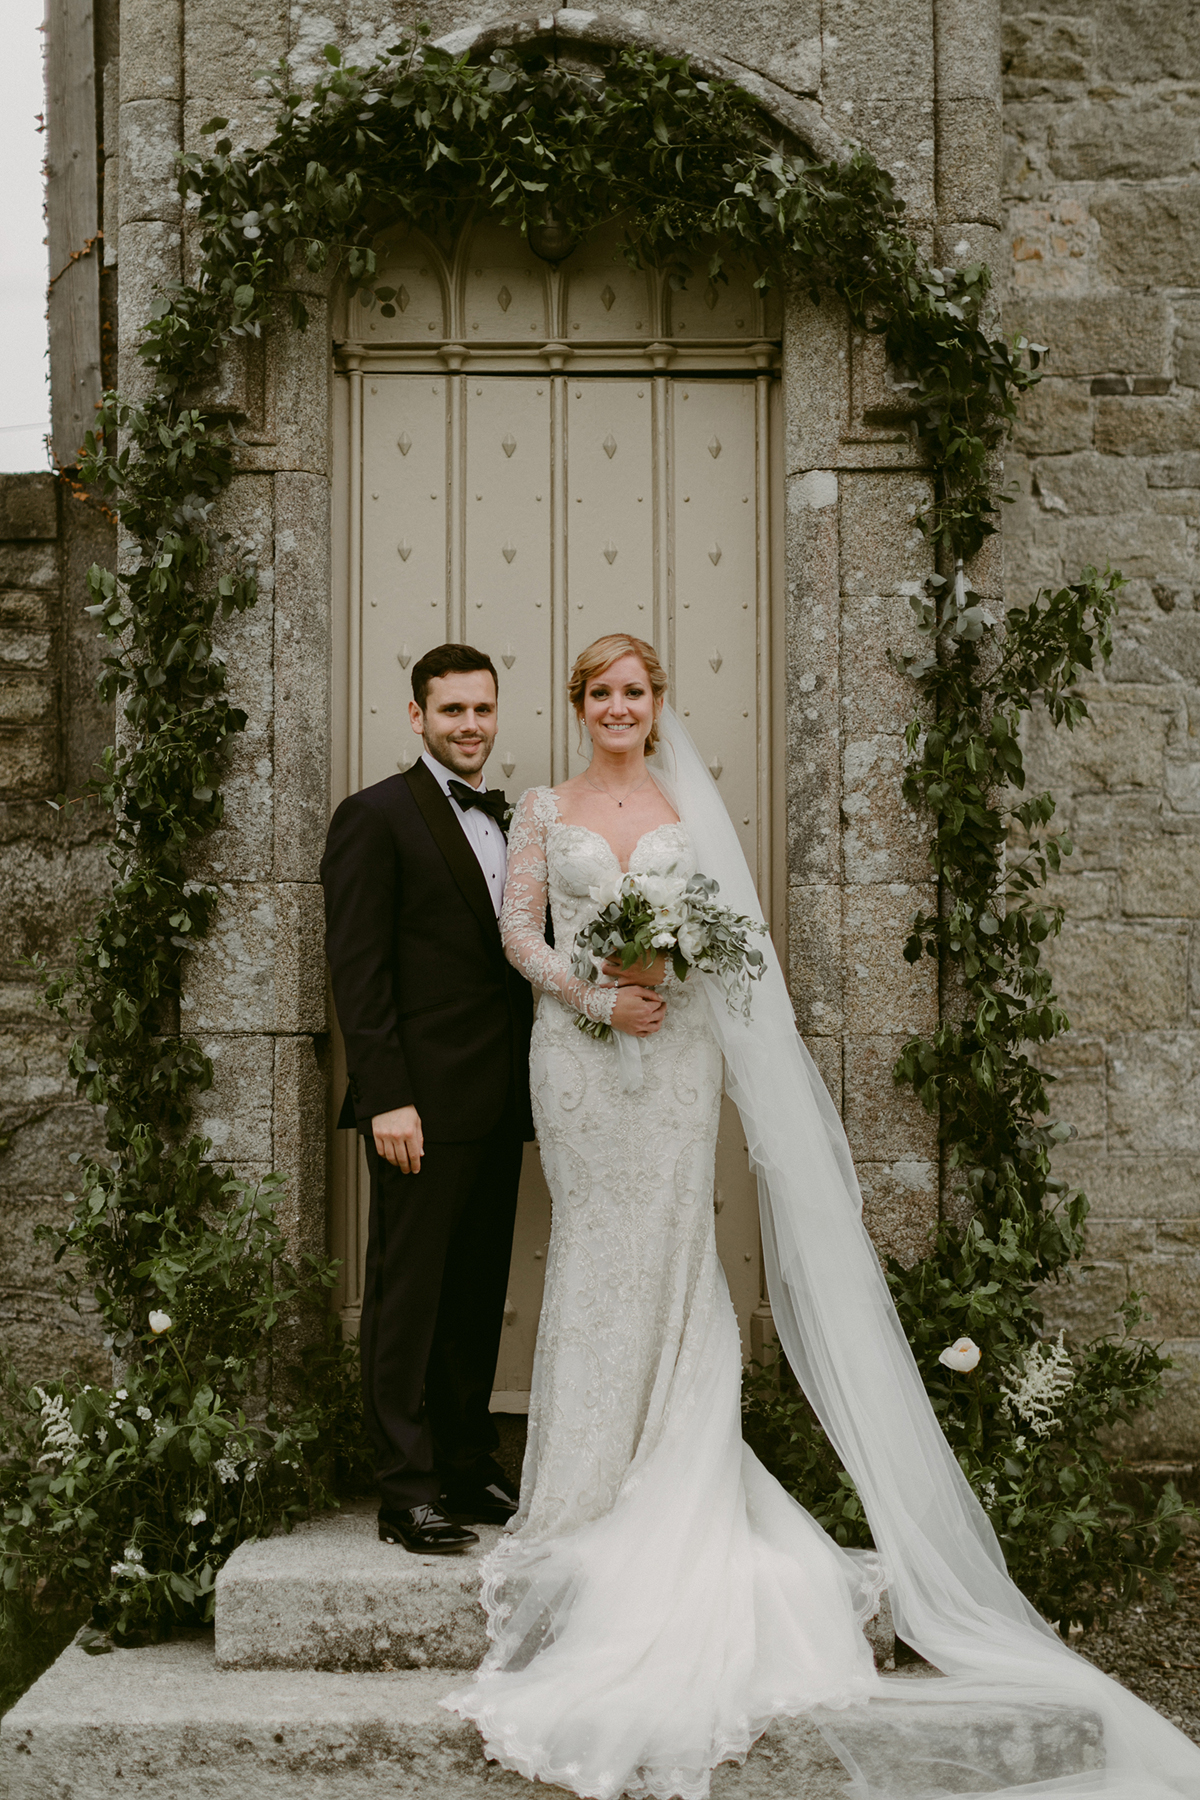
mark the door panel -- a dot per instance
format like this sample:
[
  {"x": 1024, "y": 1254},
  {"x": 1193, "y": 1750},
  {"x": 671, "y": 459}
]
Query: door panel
[
  {"x": 716, "y": 587},
  {"x": 404, "y": 549},
  {"x": 507, "y": 564},
  {"x": 609, "y": 484}
]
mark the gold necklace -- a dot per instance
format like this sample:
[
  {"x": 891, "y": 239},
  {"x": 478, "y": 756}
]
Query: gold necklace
[{"x": 587, "y": 782}]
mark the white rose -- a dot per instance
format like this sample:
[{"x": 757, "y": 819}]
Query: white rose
[
  {"x": 962, "y": 1354},
  {"x": 662, "y": 940},
  {"x": 159, "y": 1322}
]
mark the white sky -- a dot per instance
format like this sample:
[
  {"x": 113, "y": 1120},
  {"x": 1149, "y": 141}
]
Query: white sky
[{"x": 24, "y": 392}]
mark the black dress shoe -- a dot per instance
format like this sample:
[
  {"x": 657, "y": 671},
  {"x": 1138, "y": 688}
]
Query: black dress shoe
[
  {"x": 425, "y": 1530},
  {"x": 490, "y": 1504}
]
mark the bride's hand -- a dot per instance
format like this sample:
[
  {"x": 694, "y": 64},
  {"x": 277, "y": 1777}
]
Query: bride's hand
[
  {"x": 638, "y": 1011},
  {"x": 639, "y": 974}
]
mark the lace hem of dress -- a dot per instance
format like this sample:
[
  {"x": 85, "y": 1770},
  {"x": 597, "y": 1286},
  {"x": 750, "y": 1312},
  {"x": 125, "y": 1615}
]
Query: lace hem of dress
[
  {"x": 646, "y": 1782},
  {"x": 651, "y": 1781},
  {"x": 869, "y": 1567}
]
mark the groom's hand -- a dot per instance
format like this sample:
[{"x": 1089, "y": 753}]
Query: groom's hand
[{"x": 399, "y": 1139}]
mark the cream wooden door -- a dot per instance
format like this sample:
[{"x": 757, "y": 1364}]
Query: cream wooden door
[{"x": 528, "y": 511}]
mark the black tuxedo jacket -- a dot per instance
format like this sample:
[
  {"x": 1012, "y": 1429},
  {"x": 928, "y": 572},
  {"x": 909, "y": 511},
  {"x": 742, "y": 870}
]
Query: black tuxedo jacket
[{"x": 432, "y": 1013}]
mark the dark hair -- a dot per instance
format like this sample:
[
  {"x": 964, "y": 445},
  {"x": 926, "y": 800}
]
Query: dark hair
[{"x": 448, "y": 659}]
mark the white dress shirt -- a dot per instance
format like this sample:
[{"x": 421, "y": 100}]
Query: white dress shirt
[{"x": 481, "y": 830}]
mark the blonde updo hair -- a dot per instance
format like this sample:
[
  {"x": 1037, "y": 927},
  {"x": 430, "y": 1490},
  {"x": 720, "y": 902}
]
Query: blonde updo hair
[{"x": 602, "y": 655}]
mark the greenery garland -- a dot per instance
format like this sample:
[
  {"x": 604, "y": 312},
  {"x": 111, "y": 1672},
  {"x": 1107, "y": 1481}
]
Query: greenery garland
[
  {"x": 1030, "y": 1420},
  {"x": 691, "y": 168}
]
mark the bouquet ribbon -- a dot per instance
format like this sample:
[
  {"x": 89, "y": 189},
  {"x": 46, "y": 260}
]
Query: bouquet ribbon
[{"x": 629, "y": 1062}]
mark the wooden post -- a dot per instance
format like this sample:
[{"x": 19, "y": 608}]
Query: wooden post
[{"x": 73, "y": 217}]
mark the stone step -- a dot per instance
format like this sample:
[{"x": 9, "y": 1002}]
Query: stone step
[
  {"x": 330, "y": 1596},
  {"x": 165, "y": 1721}
]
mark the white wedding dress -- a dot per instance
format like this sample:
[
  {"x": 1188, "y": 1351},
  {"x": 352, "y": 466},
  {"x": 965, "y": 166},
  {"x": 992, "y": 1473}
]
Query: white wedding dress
[
  {"x": 659, "y": 1598},
  {"x": 703, "y": 1599}
]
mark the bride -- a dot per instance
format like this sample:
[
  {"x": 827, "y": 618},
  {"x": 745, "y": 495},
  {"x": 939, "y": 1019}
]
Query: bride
[{"x": 659, "y": 1599}]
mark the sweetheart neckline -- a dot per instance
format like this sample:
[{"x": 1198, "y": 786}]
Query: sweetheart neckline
[{"x": 569, "y": 825}]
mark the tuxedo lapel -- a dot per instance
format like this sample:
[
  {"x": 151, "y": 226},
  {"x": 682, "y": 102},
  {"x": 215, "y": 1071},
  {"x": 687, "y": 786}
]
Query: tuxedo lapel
[{"x": 451, "y": 840}]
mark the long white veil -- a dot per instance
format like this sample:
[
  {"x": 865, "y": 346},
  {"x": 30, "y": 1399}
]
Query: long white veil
[{"x": 950, "y": 1593}]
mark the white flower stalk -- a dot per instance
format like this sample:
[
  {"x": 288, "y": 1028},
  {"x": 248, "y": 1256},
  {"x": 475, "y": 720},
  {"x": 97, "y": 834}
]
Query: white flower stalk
[
  {"x": 58, "y": 1436},
  {"x": 1035, "y": 1394},
  {"x": 159, "y": 1322},
  {"x": 963, "y": 1354},
  {"x": 225, "y": 1470},
  {"x": 131, "y": 1568}
]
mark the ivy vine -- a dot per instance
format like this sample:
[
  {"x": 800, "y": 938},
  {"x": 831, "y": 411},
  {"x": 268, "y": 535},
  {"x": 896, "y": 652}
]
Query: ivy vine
[{"x": 695, "y": 174}]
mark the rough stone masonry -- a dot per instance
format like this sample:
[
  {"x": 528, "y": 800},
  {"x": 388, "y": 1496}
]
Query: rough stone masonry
[{"x": 1102, "y": 147}]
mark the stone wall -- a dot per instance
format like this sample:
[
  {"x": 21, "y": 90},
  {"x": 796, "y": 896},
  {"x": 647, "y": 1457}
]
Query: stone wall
[
  {"x": 53, "y": 871},
  {"x": 1100, "y": 127},
  {"x": 1102, "y": 123}
]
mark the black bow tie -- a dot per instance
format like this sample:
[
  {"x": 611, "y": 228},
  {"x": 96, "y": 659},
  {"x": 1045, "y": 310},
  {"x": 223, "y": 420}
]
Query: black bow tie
[{"x": 490, "y": 800}]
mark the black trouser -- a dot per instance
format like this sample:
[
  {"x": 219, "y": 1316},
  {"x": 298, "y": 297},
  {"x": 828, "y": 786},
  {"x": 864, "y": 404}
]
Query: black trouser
[{"x": 438, "y": 1249}]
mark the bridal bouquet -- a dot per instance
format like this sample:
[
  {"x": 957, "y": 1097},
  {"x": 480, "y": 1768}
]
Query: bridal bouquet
[{"x": 641, "y": 915}]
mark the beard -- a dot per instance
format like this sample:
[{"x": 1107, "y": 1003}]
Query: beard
[{"x": 464, "y": 759}]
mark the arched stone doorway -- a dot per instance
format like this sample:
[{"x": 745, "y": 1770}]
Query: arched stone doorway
[{"x": 527, "y": 456}]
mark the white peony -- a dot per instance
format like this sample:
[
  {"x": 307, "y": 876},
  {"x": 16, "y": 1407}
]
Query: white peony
[
  {"x": 962, "y": 1354},
  {"x": 663, "y": 892},
  {"x": 691, "y": 942},
  {"x": 606, "y": 892},
  {"x": 159, "y": 1322}
]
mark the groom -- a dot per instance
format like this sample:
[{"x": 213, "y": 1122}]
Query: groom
[{"x": 436, "y": 1025}]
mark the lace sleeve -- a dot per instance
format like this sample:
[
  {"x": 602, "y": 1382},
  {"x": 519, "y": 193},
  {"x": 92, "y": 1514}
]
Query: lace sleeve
[{"x": 523, "y": 915}]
